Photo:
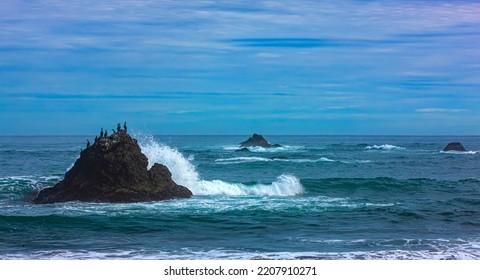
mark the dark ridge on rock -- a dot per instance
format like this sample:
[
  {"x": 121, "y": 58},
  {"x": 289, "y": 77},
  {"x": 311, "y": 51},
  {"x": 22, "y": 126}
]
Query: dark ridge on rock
[
  {"x": 242, "y": 150},
  {"x": 454, "y": 146},
  {"x": 257, "y": 140},
  {"x": 113, "y": 169}
]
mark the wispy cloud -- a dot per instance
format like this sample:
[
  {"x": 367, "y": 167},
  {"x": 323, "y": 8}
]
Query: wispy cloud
[
  {"x": 440, "y": 110},
  {"x": 268, "y": 55},
  {"x": 310, "y": 42},
  {"x": 287, "y": 42},
  {"x": 242, "y": 60}
]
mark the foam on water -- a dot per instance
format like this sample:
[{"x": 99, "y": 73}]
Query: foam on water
[
  {"x": 70, "y": 167},
  {"x": 386, "y": 147},
  {"x": 236, "y": 160},
  {"x": 439, "y": 250},
  {"x": 26, "y": 178},
  {"x": 263, "y": 150},
  {"x": 241, "y": 159},
  {"x": 405, "y": 205},
  {"x": 460, "y": 152},
  {"x": 258, "y": 149},
  {"x": 15, "y": 183},
  {"x": 262, "y": 198},
  {"x": 184, "y": 173},
  {"x": 285, "y": 185},
  {"x": 257, "y": 159}
]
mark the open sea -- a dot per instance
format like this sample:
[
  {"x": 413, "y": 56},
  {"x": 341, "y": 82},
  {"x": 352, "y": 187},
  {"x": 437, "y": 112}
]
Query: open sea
[{"x": 318, "y": 197}]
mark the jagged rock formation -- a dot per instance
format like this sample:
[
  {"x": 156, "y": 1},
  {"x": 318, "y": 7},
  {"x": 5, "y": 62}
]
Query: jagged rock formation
[
  {"x": 113, "y": 169},
  {"x": 454, "y": 146},
  {"x": 257, "y": 140}
]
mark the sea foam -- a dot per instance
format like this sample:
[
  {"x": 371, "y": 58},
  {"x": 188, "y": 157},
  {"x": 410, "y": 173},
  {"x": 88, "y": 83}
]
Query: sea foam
[
  {"x": 386, "y": 147},
  {"x": 258, "y": 149},
  {"x": 285, "y": 185},
  {"x": 184, "y": 173},
  {"x": 235, "y": 160},
  {"x": 460, "y": 152}
]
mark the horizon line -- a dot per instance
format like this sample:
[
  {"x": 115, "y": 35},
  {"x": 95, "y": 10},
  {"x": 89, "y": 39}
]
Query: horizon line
[{"x": 224, "y": 135}]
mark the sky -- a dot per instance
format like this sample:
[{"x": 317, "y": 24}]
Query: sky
[{"x": 239, "y": 67}]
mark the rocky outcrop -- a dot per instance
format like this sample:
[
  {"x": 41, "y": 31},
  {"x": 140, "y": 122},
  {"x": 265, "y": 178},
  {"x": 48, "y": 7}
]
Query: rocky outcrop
[
  {"x": 244, "y": 149},
  {"x": 257, "y": 140},
  {"x": 454, "y": 146},
  {"x": 114, "y": 170}
]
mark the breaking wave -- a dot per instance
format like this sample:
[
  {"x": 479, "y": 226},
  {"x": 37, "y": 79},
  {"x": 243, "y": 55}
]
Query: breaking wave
[
  {"x": 460, "y": 152},
  {"x": 386, "y": 147},
  {"x": 437, "y": 250},
  {"x": 185, "y": 174}
]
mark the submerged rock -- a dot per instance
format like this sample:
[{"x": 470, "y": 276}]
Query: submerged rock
[
  {"x": 242, "y": 150},
  {"x": 454, "y": 146},
  {"x": 257, "y": 140},
  {"x": 113, "y": 169}
]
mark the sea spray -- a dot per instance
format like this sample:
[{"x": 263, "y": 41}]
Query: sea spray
[
  {"x": 184, "y": 173},
  {"x": 285, "y": 185}
]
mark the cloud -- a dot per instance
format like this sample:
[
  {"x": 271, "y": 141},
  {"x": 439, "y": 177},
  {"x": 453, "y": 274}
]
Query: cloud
[
  {"x": 183, "y": 112},
  {"x": 298, "y": 42},
  {"x": 440, "y": 110},
  {"x": 268, "y": 55},
  {"x": 227, "y": 60}
]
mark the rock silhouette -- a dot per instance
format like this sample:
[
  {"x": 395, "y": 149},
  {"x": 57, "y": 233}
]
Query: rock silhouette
[
  {"x": 454, "y": 146},
  {"x": 257, "y": 140},
  {"x": 113, "y": 169}
]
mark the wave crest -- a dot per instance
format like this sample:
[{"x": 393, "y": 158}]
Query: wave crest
[
  {"x": 237, "y": 160},
  {"x": 386, "y": 147},
  {"x": 284, "y": 185},
  {"x": 185, "y": 174},
  {"x": 183, "y": 171},
  {"x": 460, "y": 152}
]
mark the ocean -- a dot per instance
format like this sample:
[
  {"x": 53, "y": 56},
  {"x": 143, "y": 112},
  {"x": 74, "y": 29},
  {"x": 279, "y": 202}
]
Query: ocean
[{"x": 317, "y": 197}]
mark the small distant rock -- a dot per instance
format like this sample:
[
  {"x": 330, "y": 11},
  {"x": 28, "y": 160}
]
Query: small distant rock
[
  {"x": 242, "y": 150},
  {"x": 113, "y": 170},
  {"x": 454, "y": 146},
  {"x": 257, "y": 140}
]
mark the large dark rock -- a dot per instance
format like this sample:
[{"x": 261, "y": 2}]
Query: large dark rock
[
  {"x": 114, "y": 169},
  {"x": 454, "y": 146},
  {"x": 257, "y": 140}
]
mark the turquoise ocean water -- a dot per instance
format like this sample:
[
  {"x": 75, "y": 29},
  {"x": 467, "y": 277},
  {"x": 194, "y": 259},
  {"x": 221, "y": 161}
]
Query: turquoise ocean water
[{"x": 318, "y": 197}]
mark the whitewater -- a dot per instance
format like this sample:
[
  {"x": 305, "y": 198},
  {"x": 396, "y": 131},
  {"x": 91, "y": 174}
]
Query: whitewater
[
  {"x": 317, "y": 197},
  {"x": 185, "y": 174}
]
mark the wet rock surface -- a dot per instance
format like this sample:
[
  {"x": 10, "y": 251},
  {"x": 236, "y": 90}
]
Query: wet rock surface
[
  {"x": 454, "y": 146},
  {"x": 257, "y": 140},
  {"x": 114, "y": 170}
]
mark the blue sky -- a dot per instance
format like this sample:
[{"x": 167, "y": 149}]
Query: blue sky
[{"x": 238, "y": 67}]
